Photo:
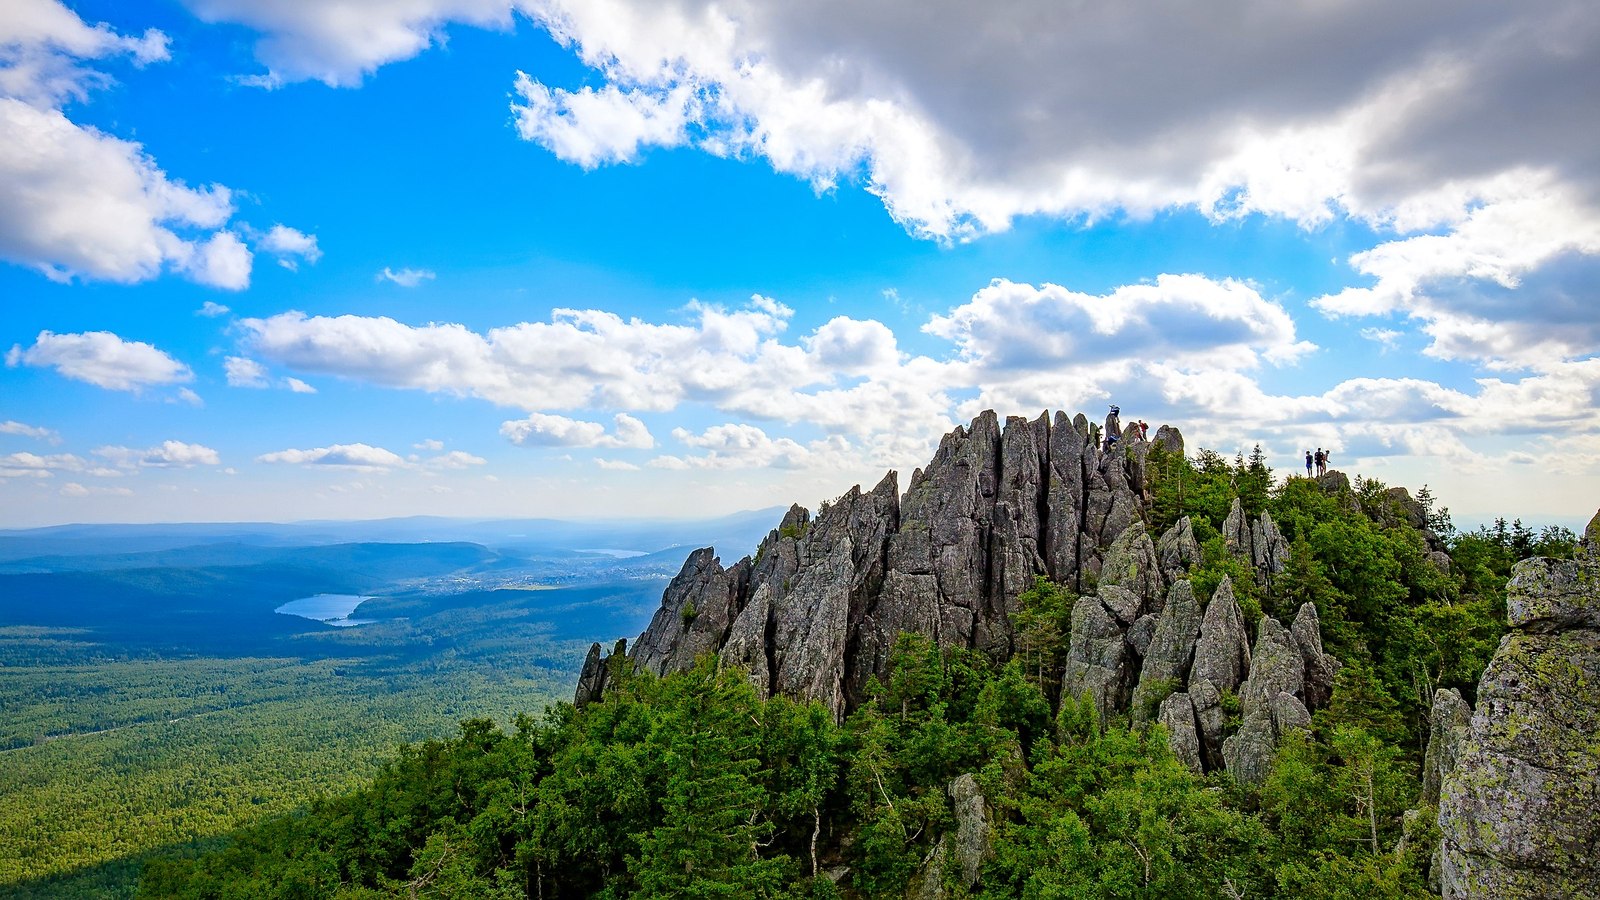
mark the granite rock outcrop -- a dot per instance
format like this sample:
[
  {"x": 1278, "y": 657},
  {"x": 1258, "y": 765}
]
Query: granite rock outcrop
[{"x": 1520, "y": 783}]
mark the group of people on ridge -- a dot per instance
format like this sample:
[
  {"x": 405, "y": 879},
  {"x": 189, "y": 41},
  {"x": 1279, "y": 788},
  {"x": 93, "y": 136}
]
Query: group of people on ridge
[
  {"x": 1113, "y": 422},
  {"x": 1318, "y": 459}
]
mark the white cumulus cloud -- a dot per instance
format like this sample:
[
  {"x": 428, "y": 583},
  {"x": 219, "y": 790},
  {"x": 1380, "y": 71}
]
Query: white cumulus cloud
[
  {"x": 244, "y": 372},
  {"x": 102, "y": 359},
  {"x": 544, "y": 430},
  {"x": 291, "y": 246},
  {"x": 347, "y": 456},
  {"x": 166, "y": 455}
]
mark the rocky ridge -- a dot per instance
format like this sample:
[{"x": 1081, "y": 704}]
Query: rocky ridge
[
  {"x": 815, "y": 612},
  {"x": 1517, "y": 779}
]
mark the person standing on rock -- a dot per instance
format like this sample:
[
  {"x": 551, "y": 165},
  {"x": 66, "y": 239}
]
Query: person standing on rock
[
  {"x": 1324, "y": 466},
  {"x": 1308, "y": 463},
  {"x": 1322, "y": 463}
]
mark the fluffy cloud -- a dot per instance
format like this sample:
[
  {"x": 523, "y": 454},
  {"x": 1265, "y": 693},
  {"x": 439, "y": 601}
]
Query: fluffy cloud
[
  {"x": 743, "y": 446},
  {"x": 338, "y": 41},
  {"x": 34, "y": 465},
  {"x": 42, "y": 42},
  {"x": 591, "y": 127},
  {"x": 291, "y": 246},
  {"x": 211, "y": 309},
  {"x": 244, "y": 372},
  {"x": 297, "y": 386},
  {"x": 11, "y": 426},
  {"x": 166, "y": 455},
  {"x": 103, "y": 359},
  {"x": 345, "y": 456},
  {"x": 1071, "y": 110},
  {"x": 77, "y": 202},
  {"x": 1510, "y": 285},
  {"x": 406, "y": 277},
  {"x": 543, "y": 430},
  {"x": 456, "y": 459},
  {"x": 580, "y": 358},
  {"x": 1183, "y": 319}
]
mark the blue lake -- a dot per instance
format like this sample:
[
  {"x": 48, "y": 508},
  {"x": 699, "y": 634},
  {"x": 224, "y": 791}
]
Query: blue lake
[{"x": 333, "y": 609}]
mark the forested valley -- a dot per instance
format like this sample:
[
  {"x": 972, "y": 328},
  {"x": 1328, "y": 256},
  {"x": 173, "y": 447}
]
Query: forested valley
[
  {"x": 152, "y": 701},
  {"x": 692, "y": 785}
]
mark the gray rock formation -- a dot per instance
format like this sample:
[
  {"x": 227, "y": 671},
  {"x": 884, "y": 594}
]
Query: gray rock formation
[
  {"x": 1517, "y": 812},
  {"x": 696, "y": 610},
  {"x": 816, "y": 611},
  {"x": 1259, "y": 544},
  {"x": 1140, "y": 634},
  {"x": 1131, "y": 563},
  {"x": 972, "y": 846},
  {"x": 1177, "y": 716},
  {"x": 1270, "y": 701},
  {"x": 597, "y": 673},
  {"x": 1169, "y": 439},
  {"x": 1320, "y": 668},
  {"x": 1178, "y": 550},
  {"x": 1098, "y": 658},
  {"x": 1222, "y": 655},
  {"x": 969, "y": 845},
  {"x": 843, "y": 554},
  {"x": 1209, "y": 720},
  {"x": 1167, "y": 661},
  {"x": 1447, "y": 731}
]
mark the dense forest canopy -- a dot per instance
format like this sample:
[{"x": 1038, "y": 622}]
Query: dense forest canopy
[{"x": 693, "y": 785}]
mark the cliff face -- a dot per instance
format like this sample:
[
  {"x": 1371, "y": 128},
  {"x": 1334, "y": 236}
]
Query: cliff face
[
  {"x": 1519, "y": 782},
  {"x": 816, "y": 611}
]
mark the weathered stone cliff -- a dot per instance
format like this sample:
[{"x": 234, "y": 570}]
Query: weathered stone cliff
[
  {"x": 1519, "y": 785},
  {"x": 817, "y": 610}
]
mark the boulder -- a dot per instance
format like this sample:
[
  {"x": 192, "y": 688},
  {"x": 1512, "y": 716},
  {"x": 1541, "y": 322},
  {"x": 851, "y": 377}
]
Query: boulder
[
  {"x": 1169, "y": 439},
  {"x": 1140, "y": 634},
  {"x": 1269, "y": 550},
  {"x": 592, "y": 680}
]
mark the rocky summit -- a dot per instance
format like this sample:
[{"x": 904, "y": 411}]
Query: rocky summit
[
  {"x": 1517, "y": 778},
  {"x": 815, "y": 612}
]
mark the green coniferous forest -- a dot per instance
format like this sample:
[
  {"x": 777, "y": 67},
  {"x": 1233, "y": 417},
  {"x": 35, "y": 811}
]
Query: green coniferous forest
[{"x": 693, "y": 786}]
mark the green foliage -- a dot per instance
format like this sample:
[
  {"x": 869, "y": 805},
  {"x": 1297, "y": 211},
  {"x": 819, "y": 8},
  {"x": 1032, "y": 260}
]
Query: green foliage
[{"x": 691, "y": 785}]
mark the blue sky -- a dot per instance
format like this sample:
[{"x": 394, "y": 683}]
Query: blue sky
[{"x": 282, "y": 260}]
